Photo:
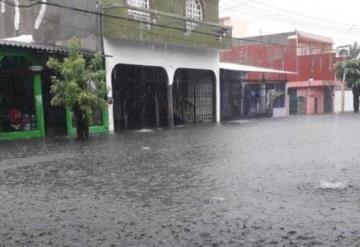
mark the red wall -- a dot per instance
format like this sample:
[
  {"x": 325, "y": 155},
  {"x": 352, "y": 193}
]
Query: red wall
[{"x": 282, "y": 57}]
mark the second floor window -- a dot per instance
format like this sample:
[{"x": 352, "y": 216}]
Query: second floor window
[
  {"x": 137, "y": 14},
  {"x": 193, "y": 11}
]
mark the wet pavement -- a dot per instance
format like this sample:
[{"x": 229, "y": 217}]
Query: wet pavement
[{"x": 256, "y": 183}]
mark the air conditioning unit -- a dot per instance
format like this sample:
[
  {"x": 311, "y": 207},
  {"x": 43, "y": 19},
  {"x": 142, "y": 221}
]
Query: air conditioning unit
[{"x": 343, "y": 51}]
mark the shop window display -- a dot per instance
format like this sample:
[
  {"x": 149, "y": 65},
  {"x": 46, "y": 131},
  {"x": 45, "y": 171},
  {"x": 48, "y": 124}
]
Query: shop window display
[{"x": 17, "y": 101}]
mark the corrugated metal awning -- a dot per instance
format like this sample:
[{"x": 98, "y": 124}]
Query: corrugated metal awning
[
  {"x": 248, "y": 68},
  {"x": 27, "y": 42},
  {"x": 33, "y": 46}
]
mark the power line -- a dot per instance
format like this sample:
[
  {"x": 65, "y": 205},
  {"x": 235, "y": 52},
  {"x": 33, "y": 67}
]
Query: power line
[
  {"x": 289, "y": 19},
  {"x": 290, "y": 16},
  {"x": 237, "y": 4},
  {"x": 148, "y": 23},
  {"x": 105, "y": 15}
]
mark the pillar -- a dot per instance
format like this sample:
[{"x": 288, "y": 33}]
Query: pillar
[
  {"x": 39, "y": 105},
  {"x": 110, "y": 116},
  {"x": 263, "y": 97},
  {"x": 170, "y": 70},
  {"x": 242, "y": 104},
  {"x": 217, "y": 94},
  {"x": 170, "y": 108}
]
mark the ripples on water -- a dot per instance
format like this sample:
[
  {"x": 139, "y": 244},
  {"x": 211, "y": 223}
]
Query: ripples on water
[{"x": 231, "y": 185}]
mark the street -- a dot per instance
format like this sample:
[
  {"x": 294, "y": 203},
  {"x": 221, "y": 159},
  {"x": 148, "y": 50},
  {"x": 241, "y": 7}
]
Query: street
[{"x": 246, "y": 183}]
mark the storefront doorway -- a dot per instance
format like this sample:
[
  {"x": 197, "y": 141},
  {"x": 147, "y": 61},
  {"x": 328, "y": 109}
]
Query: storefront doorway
[{"x": 21, "y": 114}]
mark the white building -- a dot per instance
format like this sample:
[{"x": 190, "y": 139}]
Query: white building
[{"x": 163, "y": 73}]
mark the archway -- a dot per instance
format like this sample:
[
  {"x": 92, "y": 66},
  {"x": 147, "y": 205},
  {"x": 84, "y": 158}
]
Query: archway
[
  {"x": 194, "y": 96},
  {"x": 140, "y": 97}
]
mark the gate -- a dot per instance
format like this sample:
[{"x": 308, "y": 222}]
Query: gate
[
  {"x": 297, "y": 105},
  {"x": 139, "y": 94},
  {"x": 328, "y": 100},
  {"x": 194, "y": 100}
]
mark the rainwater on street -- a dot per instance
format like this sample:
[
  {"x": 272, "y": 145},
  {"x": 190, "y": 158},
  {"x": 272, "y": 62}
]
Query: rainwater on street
[{"x": 285, "y": 182}]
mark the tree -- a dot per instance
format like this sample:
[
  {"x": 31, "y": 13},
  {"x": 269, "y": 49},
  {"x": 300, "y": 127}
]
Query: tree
[
  {"x": 351, "y": 70},
  {"x": 79, "y": 85},
  {"x": 354, "y": 51}
]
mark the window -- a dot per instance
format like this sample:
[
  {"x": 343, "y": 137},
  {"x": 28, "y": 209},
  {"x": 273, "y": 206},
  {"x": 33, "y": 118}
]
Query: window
[
  {"x": 193, "y": 11},
  {"x": 137, "y": 14}
]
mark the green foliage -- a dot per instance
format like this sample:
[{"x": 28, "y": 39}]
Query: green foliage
[
  {"x": 274, "y": 94},
  {"x": 79, "y": 82},
  {"x": 354, "y": 50},
  {"x": 352, "y": 70}
]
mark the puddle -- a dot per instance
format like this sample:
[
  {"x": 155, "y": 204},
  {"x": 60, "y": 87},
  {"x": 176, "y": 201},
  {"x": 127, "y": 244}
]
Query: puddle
[
  {"x": 220, "y": 199},
  {"x": 239, "y": 122},
  {"x": 145, "y": 131},
  {"x": 333, "y": 185}
]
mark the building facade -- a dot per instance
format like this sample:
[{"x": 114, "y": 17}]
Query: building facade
[
  {"x": 163, "y": 63},
  {"x": 311, "y": 57},
  {"x": 31, "y": 33},
  {"x": 161, "y": 57}
]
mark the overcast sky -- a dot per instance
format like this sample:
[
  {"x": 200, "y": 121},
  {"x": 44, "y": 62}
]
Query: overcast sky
[{"x": 337, "y": 19}]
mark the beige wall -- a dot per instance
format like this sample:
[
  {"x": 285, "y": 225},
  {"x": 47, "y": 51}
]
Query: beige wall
[{"x": 240, "y": 27}]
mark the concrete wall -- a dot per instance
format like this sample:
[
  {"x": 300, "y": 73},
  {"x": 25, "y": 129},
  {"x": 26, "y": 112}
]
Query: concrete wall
[
  {"x": 203, "y": 36},
  {"x": 348, "y": 101},
  {"x": 50, "y": 24},
  {"x": 169, "y": 57},
  {"x": 280, "y": 112},
  {"x": 240, "y": 27}
]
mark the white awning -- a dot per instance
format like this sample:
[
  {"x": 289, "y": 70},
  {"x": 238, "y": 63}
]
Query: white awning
[{"x": 248, "y": 68}]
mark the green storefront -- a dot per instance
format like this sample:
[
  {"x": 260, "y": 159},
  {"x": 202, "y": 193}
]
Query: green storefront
[{"x": 25, "y": 110}]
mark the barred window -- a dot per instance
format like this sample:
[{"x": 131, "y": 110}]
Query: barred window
[
  {"x": 137, "y": 14},
  {"x": 193, "y": 11}
]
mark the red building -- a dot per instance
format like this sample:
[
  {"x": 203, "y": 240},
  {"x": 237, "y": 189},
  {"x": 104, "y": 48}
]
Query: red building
[{"x": 311, "y": 57}]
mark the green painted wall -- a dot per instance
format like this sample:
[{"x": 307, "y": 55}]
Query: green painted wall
[
  {"x": 38, "y": 99},
  {"x": 101, "y": 129},
  {"x": 130, "y": 30}
]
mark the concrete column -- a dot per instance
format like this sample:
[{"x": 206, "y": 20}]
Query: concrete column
[
  {"x": 242, "y": 106},
  {"x": 287, "y": 100},
  {"x": 218, "y": 96},
  {"x": 263, "y": 97},
  {"x": 109, "y": 70},
  {"x": 170, "y": 106},
  {"x": 170, "y": 70}
]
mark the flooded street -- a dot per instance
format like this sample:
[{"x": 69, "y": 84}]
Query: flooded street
[{"x": 286, "y": 182}]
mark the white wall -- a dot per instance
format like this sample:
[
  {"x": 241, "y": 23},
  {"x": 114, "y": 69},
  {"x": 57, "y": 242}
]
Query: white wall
[
  {"x": 348, "y": 101},
  {"x": 170, "y": 57},
  {"x": 280, "y": 112}
]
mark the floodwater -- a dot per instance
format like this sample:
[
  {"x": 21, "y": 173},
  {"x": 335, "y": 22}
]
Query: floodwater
[{"x": 286, "y": 182}]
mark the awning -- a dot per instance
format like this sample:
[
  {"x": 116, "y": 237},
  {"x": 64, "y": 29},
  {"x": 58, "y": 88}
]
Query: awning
[
  {"x": 38, "y": 47},
  {"x": 313, "y": 83},
  {"x": 248, "y": 68},
  {"x": 27, "y": 42}
]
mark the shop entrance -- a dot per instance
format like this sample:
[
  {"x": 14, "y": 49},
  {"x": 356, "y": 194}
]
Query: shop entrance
[{"x": 17, "y": 96}]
